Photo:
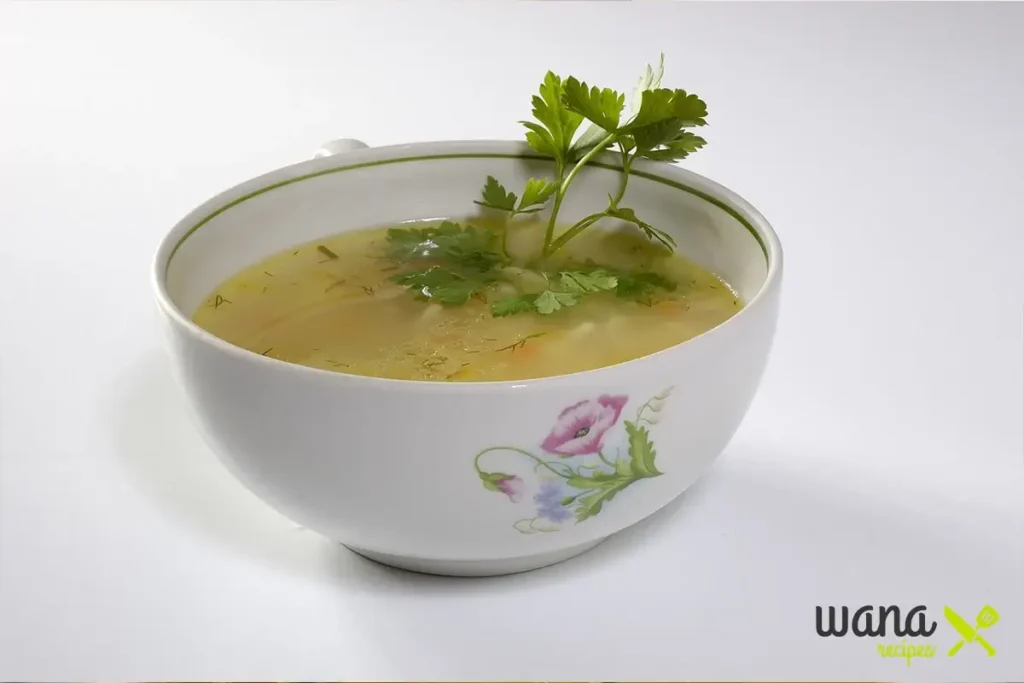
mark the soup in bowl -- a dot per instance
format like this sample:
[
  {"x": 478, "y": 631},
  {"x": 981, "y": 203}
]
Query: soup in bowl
[{"x": 381, "y": 355}]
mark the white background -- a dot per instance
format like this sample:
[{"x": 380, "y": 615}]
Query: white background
[{"x": 881, "y": 463}]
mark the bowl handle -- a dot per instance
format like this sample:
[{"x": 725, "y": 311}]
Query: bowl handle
[{"x": 339, "y": 146}]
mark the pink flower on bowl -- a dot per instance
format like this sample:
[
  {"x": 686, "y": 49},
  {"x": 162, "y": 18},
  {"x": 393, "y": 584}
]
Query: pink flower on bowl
[
  {"x": 581, "y": 427},
  {"x": 511, "y": 487}
]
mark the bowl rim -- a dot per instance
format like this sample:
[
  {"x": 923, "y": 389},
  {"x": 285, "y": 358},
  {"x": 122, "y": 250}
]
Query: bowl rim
[{"x": 663, "y": 172}]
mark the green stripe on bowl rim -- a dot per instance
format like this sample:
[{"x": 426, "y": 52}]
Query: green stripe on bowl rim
[{"x": 467, "y": 155}]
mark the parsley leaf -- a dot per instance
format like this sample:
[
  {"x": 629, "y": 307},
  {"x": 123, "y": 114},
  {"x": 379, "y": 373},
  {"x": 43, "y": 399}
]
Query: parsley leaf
[
  {"x": 405, "y": 244},
  {"x": 662, "y": 114},
  {"x": 661, "y": 104},
  {"x": 597, "y": 280},
  {"x": 651, "y": 79},
  {"x": 536, "y": 192},
  {"x": 652, "y": 233},
  {"x": 678, "y": 148},
  {"x": 469, "y": 247},
  {"x": 648, "y": 137},
  {"x": 545, "y": 303},
  {"x": 463, "y": 263},
  {"x": 443, "y": 286},
  {"x": 655, "y": 106},
  {"x": 496, "y": 197},
  {"x": 557, "y": 124},
  {"x": 510, "y": 305},
  {"x": 689, "y": 108},
  {"x": 642, "y": 287},
  {"x": 572, "y": 285},
  {"x": 549, "y": 301},
  {"x": 602, "y": 106}
]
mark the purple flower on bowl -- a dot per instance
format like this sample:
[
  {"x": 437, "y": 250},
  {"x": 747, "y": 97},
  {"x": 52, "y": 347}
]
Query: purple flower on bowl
[
  {"x": 580, "y": 428},
  {"x": 549, "y": 502}
]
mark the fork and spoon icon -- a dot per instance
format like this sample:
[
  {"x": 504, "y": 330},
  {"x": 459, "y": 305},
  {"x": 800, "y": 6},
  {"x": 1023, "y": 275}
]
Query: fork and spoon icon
[{"x": 969, "y": 634}]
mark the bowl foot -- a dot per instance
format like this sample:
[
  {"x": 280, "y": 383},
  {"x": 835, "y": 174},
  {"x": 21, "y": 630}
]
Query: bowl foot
[{"x": 476, "y": 568}]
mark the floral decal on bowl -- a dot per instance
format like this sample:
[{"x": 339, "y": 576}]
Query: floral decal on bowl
[{"x": 575, "y": 475}]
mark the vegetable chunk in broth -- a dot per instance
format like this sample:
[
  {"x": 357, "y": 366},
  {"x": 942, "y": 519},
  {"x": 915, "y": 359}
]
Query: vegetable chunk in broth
[{"x": 445, "y": 302}]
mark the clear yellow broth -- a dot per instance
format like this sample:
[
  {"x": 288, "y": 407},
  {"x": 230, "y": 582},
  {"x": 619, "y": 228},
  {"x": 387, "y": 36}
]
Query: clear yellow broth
[{"x": 331, "y": 304}]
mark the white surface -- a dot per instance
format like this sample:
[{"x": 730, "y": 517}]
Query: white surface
[{"x": 882, "y": 462}]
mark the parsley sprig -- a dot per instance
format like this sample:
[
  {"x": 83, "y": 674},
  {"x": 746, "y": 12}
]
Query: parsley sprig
[
  {"x": 451, "y": 264},
  {"x": 657, "y": 128},
  {"x": 566, "y": 289}
]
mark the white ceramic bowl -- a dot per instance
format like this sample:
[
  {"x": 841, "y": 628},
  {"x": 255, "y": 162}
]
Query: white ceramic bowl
[{"x": 444, "y": 477}]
